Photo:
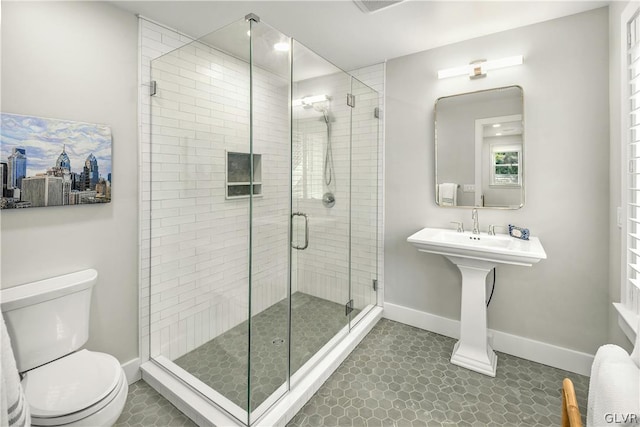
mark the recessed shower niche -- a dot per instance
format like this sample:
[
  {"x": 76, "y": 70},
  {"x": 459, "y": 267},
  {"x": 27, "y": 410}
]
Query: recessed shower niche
[
  {"x": 239, "y": 176},
  {"x": 249, "y": 299}
]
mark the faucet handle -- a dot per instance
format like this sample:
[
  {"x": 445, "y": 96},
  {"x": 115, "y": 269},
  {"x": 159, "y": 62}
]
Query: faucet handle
[
  {"x": 459, "y": 226},
  {"x": 492, "y": 229}
]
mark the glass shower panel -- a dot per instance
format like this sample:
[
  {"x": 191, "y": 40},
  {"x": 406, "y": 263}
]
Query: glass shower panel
[
  {"x": 364, "y": 198},
  {"x": 270, "y": 213},
  {"x": 320, "y": 203},
  {"x": 200, "y": 216},
  {"x": 262, "y": 180}
]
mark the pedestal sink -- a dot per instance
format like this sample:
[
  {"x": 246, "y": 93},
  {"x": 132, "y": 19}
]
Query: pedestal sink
[{"x": 476, "y": 255}]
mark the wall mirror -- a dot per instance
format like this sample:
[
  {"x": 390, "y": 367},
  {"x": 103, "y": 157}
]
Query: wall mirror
[{"x": 479, "y": 141}]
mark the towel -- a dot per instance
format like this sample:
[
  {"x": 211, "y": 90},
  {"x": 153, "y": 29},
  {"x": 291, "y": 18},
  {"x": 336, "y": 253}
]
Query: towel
[
  {"x": 448, "y": 194},
  {"x": 617, "y": 397},
  {"x": 14, "y": 409},
  {"x": 605, "y": 354}
]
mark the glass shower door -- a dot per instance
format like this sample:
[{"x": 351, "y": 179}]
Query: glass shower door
[
  {"x": 364, "y": 198},
  {"x": 270, "y": 215},
  {"x": 320, "y": 204}
]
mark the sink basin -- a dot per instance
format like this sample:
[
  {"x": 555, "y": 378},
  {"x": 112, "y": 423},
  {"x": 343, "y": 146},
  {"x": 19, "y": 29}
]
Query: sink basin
[
  {"x": 476, "y": 255},
  {"x": 500, "y": 249}
]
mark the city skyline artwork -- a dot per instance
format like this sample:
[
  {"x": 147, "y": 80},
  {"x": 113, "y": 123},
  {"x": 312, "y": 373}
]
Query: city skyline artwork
[{"x": 53, "y": 162}]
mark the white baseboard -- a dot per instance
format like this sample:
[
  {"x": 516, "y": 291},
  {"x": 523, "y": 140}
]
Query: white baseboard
[
  {"x": 536, "y": 351},
  {"x": 132, "y": 370}
]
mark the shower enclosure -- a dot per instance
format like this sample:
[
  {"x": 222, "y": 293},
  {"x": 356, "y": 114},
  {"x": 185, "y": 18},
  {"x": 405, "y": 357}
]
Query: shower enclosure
[{"x": 264, "y": 221}]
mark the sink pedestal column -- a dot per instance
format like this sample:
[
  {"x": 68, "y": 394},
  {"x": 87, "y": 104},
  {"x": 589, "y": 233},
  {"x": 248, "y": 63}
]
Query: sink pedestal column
[{"x": 473, "y": 351}]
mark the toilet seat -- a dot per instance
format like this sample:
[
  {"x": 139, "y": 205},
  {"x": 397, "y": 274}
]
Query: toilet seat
[{"x": 73, "y": 387}]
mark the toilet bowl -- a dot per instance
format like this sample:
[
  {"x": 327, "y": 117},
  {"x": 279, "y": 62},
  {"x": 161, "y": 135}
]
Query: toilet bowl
[{"x": 48, "y": 322}]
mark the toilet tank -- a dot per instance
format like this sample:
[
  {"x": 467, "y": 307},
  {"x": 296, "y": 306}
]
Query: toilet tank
[{"x": 49, "y": 318}]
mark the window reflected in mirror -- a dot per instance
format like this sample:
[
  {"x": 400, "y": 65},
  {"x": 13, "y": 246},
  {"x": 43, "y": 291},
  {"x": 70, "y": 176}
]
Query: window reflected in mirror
[{"x": 505, "y": 169}]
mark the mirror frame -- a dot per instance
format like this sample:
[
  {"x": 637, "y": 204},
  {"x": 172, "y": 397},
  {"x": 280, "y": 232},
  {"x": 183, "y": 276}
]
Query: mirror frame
[{"x": 523, "y": 156}]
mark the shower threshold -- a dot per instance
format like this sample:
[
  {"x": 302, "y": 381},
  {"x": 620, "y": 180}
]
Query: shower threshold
[{"x": 204, "y": 405}]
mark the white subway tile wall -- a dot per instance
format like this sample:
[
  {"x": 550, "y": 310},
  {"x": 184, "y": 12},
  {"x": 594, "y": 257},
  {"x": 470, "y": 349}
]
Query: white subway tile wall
[
  {"x": 322, "y": 270},
  {"x": 201, "y": 111},
  {"x": 194, "y": 250},
  {"x": 325, "y": 267}
]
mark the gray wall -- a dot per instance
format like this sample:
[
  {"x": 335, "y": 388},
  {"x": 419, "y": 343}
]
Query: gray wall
[
  {"x": 564, "y": 299},
  {"x": 78, "y": 61}
]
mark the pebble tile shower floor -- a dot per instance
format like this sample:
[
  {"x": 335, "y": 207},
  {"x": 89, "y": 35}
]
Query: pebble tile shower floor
[{"x": 401, "y": 376}]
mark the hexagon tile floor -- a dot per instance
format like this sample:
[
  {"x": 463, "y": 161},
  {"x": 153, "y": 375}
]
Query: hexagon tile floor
[
  {"x": 401, "y": 376},
  {"x": 222, "y": 362},
  {"x": 145, "y": 407}
]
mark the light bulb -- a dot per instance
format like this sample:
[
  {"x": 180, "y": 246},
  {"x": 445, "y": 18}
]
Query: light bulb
[{"x": 281, "y": 47}]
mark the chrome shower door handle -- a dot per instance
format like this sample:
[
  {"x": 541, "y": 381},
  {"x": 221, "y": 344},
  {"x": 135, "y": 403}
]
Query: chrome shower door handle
[{"x": 306, "y": 231}]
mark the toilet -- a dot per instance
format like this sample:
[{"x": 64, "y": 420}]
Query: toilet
[{"x": 48, "y": 322}]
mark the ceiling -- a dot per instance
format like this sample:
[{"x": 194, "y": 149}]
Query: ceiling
[{"x": 350, "y": 38}]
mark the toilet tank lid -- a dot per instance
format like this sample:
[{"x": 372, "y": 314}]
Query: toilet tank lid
[{"x": 44, "y": 290}]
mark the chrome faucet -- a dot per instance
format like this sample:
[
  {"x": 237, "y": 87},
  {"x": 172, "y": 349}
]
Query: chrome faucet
[{"x": 474, "y": 217}]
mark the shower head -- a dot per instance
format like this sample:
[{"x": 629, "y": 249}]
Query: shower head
[
  {"x": 310, "y": 100},
  {"x": 321, "y": 106},
  {"x": 327, "y": 117},
  {"x": 319, "y": 103}
]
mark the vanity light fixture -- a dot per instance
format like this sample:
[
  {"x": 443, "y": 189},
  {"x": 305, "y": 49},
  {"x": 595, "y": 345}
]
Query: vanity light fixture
[
  {"x": 308, "y": 100},
  {"x": 479, "y": 68},
  {"x": 496, "y": 125}
]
